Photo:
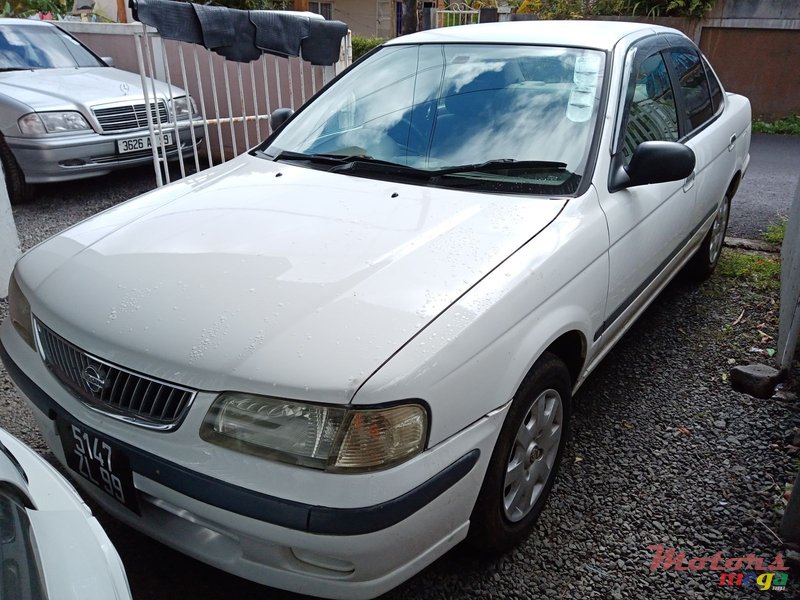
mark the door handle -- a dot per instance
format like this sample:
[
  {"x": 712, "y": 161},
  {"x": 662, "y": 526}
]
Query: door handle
[
  {"x": 732, "y": 143},
  {"x": 689, "y": 183}
]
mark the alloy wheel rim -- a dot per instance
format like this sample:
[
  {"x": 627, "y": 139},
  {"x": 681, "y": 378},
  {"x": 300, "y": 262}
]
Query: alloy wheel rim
[
  {"x": 718, "y": 232},
  {"x": 533, "y": 455}
]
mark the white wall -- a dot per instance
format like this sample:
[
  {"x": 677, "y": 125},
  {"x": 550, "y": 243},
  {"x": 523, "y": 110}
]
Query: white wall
[{"x": 9, "y": 242}]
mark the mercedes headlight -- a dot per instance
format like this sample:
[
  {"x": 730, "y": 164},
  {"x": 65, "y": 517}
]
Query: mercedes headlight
[
  {"x": 183, "y": 107},
  {"x": 332, "y": 438},
  {"x": 52, "y": 122},
  {"x": 19, "y": 311}
]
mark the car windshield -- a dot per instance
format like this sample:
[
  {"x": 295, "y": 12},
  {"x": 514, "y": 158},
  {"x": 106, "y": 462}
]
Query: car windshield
[
  {"x": 507, "y": 118},
  {"x": 40, "y": 47}
]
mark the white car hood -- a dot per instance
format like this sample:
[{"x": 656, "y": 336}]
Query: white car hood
[
  {"x": 55, "y": 89},
  {"x": 275, "y": 278}
]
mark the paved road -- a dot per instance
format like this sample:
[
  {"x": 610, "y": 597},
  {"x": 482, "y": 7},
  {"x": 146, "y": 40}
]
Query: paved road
[{"x": 768, "y": 188}]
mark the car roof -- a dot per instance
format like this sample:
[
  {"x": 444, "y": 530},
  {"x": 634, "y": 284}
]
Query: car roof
[
  {"x": 34, "y": 22},
  {"x": 602, "y": 35}
]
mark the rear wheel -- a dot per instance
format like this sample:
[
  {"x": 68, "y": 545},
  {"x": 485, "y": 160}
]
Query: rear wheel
[
  {"x": 705, "y": 259},
  {"x": 18, "y": 189},
  {"x": 525, "y": 459}
]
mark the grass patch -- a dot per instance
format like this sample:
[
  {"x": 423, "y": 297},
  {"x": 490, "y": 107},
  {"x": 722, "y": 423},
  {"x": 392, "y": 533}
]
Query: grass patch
[
  {"x": 785, "y": 126},
  {"x": 762, "y": 272},
  {"x": 776, "y": 232}
]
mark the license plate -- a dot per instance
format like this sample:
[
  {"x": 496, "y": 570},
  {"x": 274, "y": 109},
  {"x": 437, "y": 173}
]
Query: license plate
[
  {"x": 142, "y": 143},
  {"x": 99, "y": 461}
]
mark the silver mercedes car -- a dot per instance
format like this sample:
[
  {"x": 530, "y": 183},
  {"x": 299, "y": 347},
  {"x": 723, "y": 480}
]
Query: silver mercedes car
[{"x": 65, "y": 114}]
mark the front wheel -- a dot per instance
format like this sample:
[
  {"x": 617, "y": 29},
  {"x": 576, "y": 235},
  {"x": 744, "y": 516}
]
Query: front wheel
[
  {"x": 19, "y": 190},
  {"x": 525, "y": 460},
  {"x": 705, "y": 259}
]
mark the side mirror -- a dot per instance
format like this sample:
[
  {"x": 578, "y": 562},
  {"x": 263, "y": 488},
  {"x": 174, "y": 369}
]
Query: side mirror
[
  {"x": 278, "y": 117},
  {"x": 655, "y": 162},
  {"x": 108, "y": 60}
]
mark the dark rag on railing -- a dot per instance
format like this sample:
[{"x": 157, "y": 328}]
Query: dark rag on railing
[{"x": 243, "y": 35}]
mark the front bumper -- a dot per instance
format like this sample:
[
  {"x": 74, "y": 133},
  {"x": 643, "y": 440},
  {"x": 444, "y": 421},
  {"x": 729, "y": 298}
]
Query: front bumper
[
  {"x": 326, "y": 550},
  {"x": 68, "y": 157}
]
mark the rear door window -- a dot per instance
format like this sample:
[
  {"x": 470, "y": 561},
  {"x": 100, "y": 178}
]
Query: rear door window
[
  {"x": 714, "y": 87},
  {"x": 697, "y": 104}
]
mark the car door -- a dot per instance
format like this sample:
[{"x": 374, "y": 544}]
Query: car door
[
  {"x": 647, "y": 225},
  {"x": 700, "y": 106}
]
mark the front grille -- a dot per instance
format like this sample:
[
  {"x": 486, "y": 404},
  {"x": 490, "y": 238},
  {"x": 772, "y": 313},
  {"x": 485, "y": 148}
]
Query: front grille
[
  {"x": 111, "y": 389},
  {"x": 130, "y": 116}
]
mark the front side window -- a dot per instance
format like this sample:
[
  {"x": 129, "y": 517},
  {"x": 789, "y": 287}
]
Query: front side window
[
  {"x": 652, "y": 115},
  {"x": 518, "y": 118},
  {"x": 694, "y": 86}
]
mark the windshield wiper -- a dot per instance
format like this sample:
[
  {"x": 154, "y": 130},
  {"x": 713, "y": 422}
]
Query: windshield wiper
[
  {"x": 5, "y": 69},
  {"x": 343, "y": 163},
  {"x": 501, "y": 164},
  {"x": 362, "y": 163}
]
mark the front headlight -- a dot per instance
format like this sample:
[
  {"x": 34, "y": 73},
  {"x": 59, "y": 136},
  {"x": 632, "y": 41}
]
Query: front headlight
[
  {"x": 19, "y": 311},
  {"x": 52, "y": 122},
  {"x": 331, "y": 438},
  {"x": 183, "y": 107}
]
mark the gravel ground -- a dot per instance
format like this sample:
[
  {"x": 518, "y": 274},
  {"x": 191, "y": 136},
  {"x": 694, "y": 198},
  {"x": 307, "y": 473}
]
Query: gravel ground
[{"x": 662, "y": 452}]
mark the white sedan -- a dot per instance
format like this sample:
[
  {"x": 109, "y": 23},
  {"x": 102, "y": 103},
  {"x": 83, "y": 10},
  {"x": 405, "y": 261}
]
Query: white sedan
[{"x": 325, "y": 363}]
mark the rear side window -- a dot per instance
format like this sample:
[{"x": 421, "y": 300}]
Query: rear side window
[
  {"x": 652, "y": 115},
  {"x": 694, "y": 86},
  {"x": 714, "y": 87}
]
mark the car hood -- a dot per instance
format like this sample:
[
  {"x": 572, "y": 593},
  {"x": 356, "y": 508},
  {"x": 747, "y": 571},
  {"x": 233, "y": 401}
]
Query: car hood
[
  {"x": 57, "y": 89},
  {"x": 273, "y": 278}
]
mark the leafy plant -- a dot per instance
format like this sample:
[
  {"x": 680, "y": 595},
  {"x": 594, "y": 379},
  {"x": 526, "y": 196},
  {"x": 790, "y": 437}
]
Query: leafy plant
[
  {"x": 785, "y": 126},
  {"x": 362, "y": 45},
  {"x": 57, "y": 8},
  {"x": 578, "y": 9},
  {"x": 695, "y": 9}
]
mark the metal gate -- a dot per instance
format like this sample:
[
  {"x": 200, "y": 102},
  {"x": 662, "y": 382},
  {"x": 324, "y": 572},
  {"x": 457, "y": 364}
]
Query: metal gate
[
  {"x": 230, "y": 100},
  {"x": 457, "y": 14}
]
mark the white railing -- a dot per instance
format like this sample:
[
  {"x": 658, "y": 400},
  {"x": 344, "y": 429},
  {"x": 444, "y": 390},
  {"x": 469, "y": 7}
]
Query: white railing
[
  {"x": 457, "y": 14},
  {"x": 234, "y": 100}
]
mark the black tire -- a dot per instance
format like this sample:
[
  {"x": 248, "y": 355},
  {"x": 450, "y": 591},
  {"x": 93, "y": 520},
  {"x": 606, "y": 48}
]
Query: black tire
[
  {"x": 705, "y": 259},
  {"x": 19, "y": 190},
  {"x": 492, "y": 531}
]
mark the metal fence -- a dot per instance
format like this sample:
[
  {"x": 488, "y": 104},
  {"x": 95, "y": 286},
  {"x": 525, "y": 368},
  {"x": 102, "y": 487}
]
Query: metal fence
[
  {"x": 233, "y": 100},
  {"x": 457, "y": 14}
]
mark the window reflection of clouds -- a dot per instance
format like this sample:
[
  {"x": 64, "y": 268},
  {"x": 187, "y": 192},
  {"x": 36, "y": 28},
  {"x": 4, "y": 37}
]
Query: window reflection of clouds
[
  {"x": 516, "y": 131},
  {"x": 460, "y": 75},
  {"x": 374, "y": 85},
  {"x": 434, "y": 106}
]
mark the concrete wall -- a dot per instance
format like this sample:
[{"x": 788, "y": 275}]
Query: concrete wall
[
  {"x": 361, "y": 16},
  {"x": 108, "y": 9},
  {"x": 789, "y": 327}
]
